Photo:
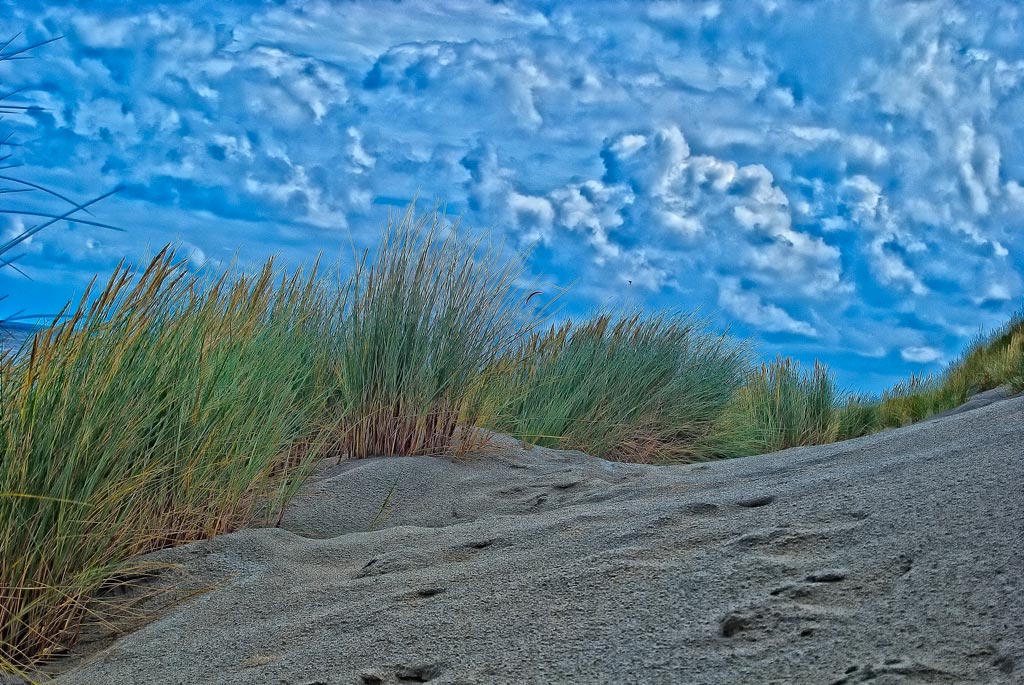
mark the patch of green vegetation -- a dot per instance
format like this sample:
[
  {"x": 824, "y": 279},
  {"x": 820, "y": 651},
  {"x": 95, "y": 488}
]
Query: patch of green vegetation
[
  {"x": 635, "y": 388},
  {"x": 780, "y": 405},
  {"x": 162, "y": 411},
  {"x": 424, "y": 319},
  {"x": 990, "y": 361}
]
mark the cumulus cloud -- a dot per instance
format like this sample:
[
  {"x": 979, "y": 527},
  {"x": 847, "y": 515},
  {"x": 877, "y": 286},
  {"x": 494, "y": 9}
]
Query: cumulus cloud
[
  {"x": 597, "y": 210},
  {"x": 920, "y": 355},
  {"x": 978, "y": 159},
  {"x": 747, "y": 306},
  {"x": 312, "y": 82},
  {"x": 738, "y": 208},
  {"x": 466, "y": 68}
]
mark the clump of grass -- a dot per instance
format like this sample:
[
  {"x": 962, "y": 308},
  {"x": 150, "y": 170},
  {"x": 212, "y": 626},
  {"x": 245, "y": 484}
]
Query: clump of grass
[
  {"x": 857, "y": 415},
  {"x": 909, "y": 401},
  {"x": 917, "y": 398},
  {"x": 990, "y": 361},
  {"x": 779, "y": 406},
  {"x": 1011, "y": 361},
  {"x": 161, "y": 411},
  {"x": 423, "y": 320},
  {"x": 636, "y": 388}
]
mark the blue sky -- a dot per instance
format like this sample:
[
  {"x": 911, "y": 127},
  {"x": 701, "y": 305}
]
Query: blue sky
[{"x": 838, "y": 180}]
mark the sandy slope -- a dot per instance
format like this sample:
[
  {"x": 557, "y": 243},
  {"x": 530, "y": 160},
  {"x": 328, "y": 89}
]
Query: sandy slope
[{"x": 896, "y": 558}]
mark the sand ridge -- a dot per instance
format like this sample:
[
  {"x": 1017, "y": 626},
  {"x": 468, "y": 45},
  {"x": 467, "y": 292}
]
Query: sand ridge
[{"x": 894, "y": 558}]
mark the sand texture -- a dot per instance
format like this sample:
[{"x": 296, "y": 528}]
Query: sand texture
[{"x": 895, "y": 558}]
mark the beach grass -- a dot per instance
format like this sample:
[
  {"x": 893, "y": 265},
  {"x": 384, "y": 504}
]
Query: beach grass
[
  {"x": 167, "y": 408},
  {"x": 425, "y": 318},
  {"x": 163, "y": 410},
  {"x": 642, "y": 388},
  {"x": 991, "y": 360},
  {"x": 780, "y": 405}
]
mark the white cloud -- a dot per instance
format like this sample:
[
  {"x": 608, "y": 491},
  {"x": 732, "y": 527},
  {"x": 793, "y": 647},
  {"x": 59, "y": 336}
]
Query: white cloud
[
  {"x": 920, "y": 355},
  {"x": 534, "y": 213},
  {"x": 305, "y": 80},
  {"x": 106, "y": 117},
  {"x": 863, "y": 196},
  {"x": 362, "y": 161},
  {"x": 1015, "y": 194},
  {"x": 595, "y": 209},
  {"x": 891, "y": 269},
  {"x": 738, "y": 208},
  {"x": 748, "y": 307},
  {"x": 996, "y": 292},
  {"x": 979, "y": 159},
  {"x": 434, "y": 68}
]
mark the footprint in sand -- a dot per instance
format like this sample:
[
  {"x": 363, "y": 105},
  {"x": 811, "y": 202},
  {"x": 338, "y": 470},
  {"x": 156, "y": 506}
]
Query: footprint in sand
[
  {"x": 399, "y": 675},
  {"x": 896, "y": 669}
]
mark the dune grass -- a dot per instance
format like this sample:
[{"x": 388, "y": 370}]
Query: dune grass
[
  {"x": 424, "y": 320},
  {"x": 632, "y": 388},
  {"x": 779, "y": 406},
  {"x": 162, "y": 411},
  {"x": 165, "y": 408},
  {"x": 991, "y": 360}
]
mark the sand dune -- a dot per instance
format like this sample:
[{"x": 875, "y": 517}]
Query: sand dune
[{"x": 895, "y": 558}]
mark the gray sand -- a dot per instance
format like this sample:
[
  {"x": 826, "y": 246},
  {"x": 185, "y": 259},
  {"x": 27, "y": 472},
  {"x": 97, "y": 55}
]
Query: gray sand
[{"x": 895, "y": 558}]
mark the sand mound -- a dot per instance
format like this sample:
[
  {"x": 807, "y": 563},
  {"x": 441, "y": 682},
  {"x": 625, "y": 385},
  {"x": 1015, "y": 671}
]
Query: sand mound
[{"x": 895, "y": 558}]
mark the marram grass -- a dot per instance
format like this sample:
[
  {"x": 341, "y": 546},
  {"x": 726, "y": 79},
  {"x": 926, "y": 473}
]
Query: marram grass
[
  {"x": 780, "y": 405},
  {"x": 423, "y": 320},
  {"x": 164, "y": 410},
  {"x": 634, "y": 388},
  {"x": 990, "y": 361}
]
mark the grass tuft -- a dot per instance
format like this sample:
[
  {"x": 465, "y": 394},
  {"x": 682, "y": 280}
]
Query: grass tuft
[
  {"x": 779, "y": 406},
  {"x": 163, "y": 410},
  {"x": 990, "y": 361},
  {"x": 423, "y": 320},
  {"x": 635, "y": 388}
]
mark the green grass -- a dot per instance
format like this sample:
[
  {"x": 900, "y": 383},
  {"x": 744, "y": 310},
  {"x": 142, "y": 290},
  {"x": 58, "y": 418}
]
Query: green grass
[
  {"x": 167, "y": 409},
  {"x": 990, "y": 361},
  {"x": 424, "y": 319},
  {"x": 635, "y": 388},
  {"x": 779, "y": 406},
  {"x": 164, "y": 410}
]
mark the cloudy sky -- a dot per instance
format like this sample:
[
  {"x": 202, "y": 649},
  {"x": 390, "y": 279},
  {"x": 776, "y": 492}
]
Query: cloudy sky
[{"x": 838, "y": 180}]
